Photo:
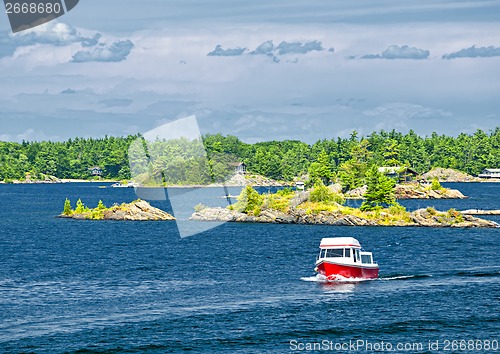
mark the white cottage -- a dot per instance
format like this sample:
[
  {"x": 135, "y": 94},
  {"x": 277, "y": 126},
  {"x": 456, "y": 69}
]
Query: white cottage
[{"x": 490, "y": 173}]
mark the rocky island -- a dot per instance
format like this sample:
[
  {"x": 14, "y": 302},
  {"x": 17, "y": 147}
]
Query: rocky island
[
  {"x": 138, "y": 210},
  {"x": 322, "y": 206},
  {"x": 344, "y": 216}
]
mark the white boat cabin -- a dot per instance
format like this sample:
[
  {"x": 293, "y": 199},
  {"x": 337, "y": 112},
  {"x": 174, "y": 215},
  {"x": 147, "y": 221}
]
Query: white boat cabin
[{"x": 344, "y": 250}]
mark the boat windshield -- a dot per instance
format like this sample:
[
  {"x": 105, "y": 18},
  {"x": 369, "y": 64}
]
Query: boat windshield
[
  {"x": 366, "y": 258},
  {"x": 334, "y": 253}
]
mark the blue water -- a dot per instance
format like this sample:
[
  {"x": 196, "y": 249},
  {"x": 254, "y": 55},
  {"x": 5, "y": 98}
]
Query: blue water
[{"x": 83, "y": 286}]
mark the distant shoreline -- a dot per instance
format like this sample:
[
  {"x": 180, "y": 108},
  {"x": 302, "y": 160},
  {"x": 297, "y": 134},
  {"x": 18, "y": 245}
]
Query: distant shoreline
[
  {"x": 71, "y": 180},
  {"x": 60, "y": 181}
]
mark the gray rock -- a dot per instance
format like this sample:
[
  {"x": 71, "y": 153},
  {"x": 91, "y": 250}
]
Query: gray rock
[{"x": 357, "y": 193}]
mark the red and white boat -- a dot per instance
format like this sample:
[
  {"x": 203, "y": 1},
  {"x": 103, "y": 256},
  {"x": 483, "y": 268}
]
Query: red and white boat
[{"x": 342, "y": 257}]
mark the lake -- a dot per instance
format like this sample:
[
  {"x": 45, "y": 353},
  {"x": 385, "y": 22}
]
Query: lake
[{"x": 83, "y": 286}]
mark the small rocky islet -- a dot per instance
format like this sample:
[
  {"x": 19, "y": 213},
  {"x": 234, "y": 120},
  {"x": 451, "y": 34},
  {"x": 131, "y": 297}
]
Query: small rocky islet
[
  {"x": 412, "y": 191},
  {"x": 138, "y": 210}
]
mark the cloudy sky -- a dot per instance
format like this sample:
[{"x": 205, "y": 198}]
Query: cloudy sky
[{"x": 260, "y": 70}]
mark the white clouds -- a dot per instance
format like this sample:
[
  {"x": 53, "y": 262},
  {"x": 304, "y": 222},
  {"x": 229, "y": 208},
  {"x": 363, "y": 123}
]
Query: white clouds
[
  {"x": 55, "y": 33},
  {"x": 116, "y": 52},
  {"x": 298, "y": 47},
  {"x": 265, "y": 48},
  {"x": 231, "y": 52},
  {"x": 268, "y": 48},
  {"x": 90, "y": 42},
  {"x": 474, "y": 52},
  {"x": 397, "y": 52},
  {"x": 56, "y": 42}
]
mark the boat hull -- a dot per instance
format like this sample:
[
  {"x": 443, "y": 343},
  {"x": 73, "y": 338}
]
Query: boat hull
[{"x": 333, "y": 270}]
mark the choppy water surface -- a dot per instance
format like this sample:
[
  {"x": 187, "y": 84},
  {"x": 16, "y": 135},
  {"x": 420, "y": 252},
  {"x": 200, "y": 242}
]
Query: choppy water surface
[{"x": 69, "y": 286}]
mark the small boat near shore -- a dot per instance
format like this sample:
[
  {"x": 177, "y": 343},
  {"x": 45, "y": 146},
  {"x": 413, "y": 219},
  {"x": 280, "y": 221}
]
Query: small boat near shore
[
  {"x": 128, "y": 185},
  {"x": 343, "y": 258}
]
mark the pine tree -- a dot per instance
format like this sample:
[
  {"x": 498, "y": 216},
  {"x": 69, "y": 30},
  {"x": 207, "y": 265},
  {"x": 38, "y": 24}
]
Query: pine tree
[
  {"x": 248, "y": 200},
  {"x": 67, "y": 207},
  {"x": 391, "y": 153},
  {"x": 352, "y": 172},
  {"x": 435, "y": 184},
  {"x": 100, "y": 205},
  {"x": 80, "y": 208},
  {"x": 380, "y": 190},
  {"x": 321, "y": 168}
]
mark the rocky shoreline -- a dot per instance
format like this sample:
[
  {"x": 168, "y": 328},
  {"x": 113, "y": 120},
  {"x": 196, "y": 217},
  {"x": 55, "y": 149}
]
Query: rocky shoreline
[
  {"x": 58, "y": 181},
  {"x": 409, "y": 191},
  {"x": 138, "y": 210},
  {"x": 412, "y": 191},
  {"x": 422, "y": 217},
  {"x": 451, "y": 175}
]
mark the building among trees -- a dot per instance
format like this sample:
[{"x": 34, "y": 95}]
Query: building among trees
[
  {"x": 240, "y": 167},
  {"x": 490, "y": 173},
  {"x": 95, "y": 171}
]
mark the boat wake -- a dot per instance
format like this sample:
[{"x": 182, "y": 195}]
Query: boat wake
[
  {"x": 318, "y": 278},
  {"x": 465, "y": 273},
  {"x": 405, "y": 277},
  {"x": 478, "y": 273}
]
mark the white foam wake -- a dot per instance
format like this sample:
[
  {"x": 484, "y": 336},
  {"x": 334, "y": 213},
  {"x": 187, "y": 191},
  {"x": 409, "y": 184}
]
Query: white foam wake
[
  {"x": 402, "y": 277},
  {"x": 319, "y": 278},
  {"x": 399, "y": 278}
]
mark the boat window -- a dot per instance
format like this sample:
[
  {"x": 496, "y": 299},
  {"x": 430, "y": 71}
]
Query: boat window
[
  {"x": 322, "y": 253},
  {"x": 366, "y": 258},
  {"x": 347, "y": 252},
  {"x": 357, "y": 255},
  {"x": 335, "y": 253}
]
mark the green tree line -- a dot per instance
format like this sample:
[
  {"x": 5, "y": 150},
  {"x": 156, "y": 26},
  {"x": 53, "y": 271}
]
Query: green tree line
[
  {"x": 68, "y": 159},
  {"x": 346, "y": 158}
]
